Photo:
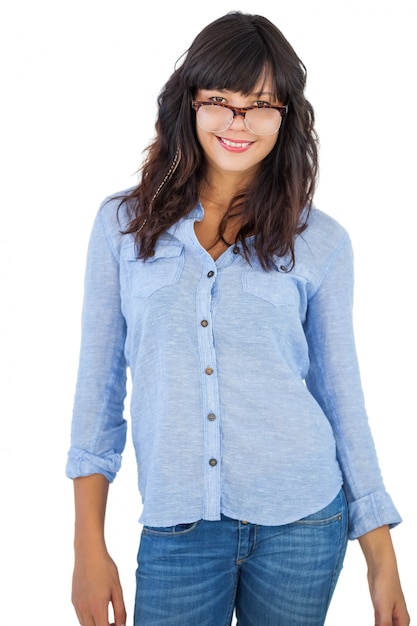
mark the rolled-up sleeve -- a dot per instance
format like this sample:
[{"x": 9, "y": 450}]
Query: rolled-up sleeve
[
  {"x": 334, "y": 380},
  {"x": 98, "y": 433}
]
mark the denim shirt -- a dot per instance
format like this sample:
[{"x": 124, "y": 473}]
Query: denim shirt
[{"x": 246, "y": 397}]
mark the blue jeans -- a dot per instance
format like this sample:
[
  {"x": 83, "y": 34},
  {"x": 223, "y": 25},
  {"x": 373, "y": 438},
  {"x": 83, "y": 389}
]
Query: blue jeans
[{"x": 199, "y": 574}]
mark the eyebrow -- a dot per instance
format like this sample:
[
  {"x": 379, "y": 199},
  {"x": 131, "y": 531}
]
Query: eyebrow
[
  {"x": 262, "y": 93},
  {"x": 257, "y": 94}
]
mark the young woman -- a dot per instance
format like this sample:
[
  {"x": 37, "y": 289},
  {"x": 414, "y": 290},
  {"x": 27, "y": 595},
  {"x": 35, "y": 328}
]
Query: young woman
[{"x": 228, "y": 295}]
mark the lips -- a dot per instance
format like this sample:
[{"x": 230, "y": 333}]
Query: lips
[{"x": 234, "y": 146}]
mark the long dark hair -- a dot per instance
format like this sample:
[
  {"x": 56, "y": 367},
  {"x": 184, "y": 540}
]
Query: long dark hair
[{"x": 231, "y": 53}]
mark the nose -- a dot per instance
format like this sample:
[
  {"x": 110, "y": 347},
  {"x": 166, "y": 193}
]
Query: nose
[{"x": 238, "y": 121}]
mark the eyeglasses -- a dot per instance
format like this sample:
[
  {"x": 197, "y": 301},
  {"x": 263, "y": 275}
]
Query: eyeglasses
[{"x": 215, "y": 117}]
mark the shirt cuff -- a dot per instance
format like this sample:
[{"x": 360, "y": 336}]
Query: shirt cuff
[
  {"x": 370, "y": 512},
  {"x": 83, "y": 463}
]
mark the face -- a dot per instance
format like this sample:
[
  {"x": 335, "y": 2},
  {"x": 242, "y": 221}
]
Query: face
[{"x": 236, "y": 150}]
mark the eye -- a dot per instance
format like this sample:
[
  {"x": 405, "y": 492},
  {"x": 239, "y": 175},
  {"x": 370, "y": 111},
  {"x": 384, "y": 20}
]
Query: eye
[
  {"x": 261, "y": 104},
  {"x": 218, "y": 99}
]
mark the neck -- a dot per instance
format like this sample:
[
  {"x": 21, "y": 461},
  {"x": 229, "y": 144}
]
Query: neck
[
  {"x": 217, "y": 204},
  {"x": 221, "y": 187}
]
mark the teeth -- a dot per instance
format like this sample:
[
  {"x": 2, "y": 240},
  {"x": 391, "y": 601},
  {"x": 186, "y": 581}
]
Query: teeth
[{"x": 235, "y": 144}]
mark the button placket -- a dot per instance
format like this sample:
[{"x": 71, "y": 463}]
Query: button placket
[{"x": 206, "y": 301}]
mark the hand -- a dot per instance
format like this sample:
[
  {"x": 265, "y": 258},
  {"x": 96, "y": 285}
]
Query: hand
[
  {"x": 96, "y": 585},
  {"x": 383, "y": 578},
  {"x": 388, "y": 599}
]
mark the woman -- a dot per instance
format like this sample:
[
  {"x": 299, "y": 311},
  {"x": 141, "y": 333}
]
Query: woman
[{"x": 228, "y": 295}]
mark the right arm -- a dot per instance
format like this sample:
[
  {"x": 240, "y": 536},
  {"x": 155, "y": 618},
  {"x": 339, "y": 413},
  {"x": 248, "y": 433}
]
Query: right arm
[
  {"x": 98, "y": 431},
  {"x": 95, "y": 580}
]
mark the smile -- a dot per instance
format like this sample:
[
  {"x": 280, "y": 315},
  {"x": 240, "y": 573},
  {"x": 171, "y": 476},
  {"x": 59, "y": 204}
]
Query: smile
[{"x": 236, "y": 146}]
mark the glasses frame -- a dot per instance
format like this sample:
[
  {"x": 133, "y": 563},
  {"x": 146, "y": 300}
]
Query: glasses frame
[{"x": 197, "y": 104}]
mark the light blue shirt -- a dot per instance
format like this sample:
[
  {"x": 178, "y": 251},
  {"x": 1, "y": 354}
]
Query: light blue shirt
[{"x": 246, "y": 395}]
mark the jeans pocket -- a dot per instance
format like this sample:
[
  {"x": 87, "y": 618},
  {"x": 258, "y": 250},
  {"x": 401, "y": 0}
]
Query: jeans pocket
[
  {"x": 333, "y": 512},
  {"x": 170, "y": 531}
]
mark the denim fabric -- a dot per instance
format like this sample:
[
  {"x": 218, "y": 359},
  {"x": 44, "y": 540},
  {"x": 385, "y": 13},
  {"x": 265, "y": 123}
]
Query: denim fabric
[
  {"x": 246, "y": 396},
  {"x": 200, "y": 573}
]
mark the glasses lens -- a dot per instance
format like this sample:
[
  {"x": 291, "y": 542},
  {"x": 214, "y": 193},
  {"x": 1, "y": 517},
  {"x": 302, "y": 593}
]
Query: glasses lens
[
  {"x": 214, "y": 119},
  {"x": 263, "y": 121}
]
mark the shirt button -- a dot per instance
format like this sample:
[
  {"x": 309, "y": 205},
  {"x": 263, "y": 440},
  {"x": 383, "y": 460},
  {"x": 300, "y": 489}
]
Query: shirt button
[
  {"x": 209, "y": 371},
  {"x": 236, "y": 250},
  {"x": 204, "y": 323},
  {"x": 213, "y": 462},
  {"x": 211, "y": 417},
  {"x": 210, "y": 274}
]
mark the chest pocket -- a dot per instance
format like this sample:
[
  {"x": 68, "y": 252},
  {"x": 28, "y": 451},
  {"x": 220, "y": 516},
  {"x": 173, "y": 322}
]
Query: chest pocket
[
  {"x": 164, "y": 268},
  {"x": 274, "y": 286}
]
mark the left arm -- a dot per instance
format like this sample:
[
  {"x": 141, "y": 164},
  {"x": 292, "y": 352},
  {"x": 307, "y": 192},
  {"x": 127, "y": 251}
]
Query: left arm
[
  {"x": 334, "y": 380},
  {"x": 383, "y": 578}
]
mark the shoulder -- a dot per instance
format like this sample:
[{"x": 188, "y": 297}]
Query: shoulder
[
  {"x": 323, "y": 241},
  {"x": 113, "y": 217},
  {"x": 323, "y": 227},
  {"x": 115, "y": 210},
  {"x": 323, "y": 234}
]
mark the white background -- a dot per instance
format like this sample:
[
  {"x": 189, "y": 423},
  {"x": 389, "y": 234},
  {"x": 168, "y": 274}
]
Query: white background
[{"x": 79, "y": 82}]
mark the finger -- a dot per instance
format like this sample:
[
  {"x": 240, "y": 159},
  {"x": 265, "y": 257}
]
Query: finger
[
  {"x": 95, "y": 616},
  {"x": 84, "y": 618},
  {"x": 119, "y": 609}
]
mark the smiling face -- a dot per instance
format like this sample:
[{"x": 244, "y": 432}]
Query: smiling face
[{"x": 236, "y": 151}]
